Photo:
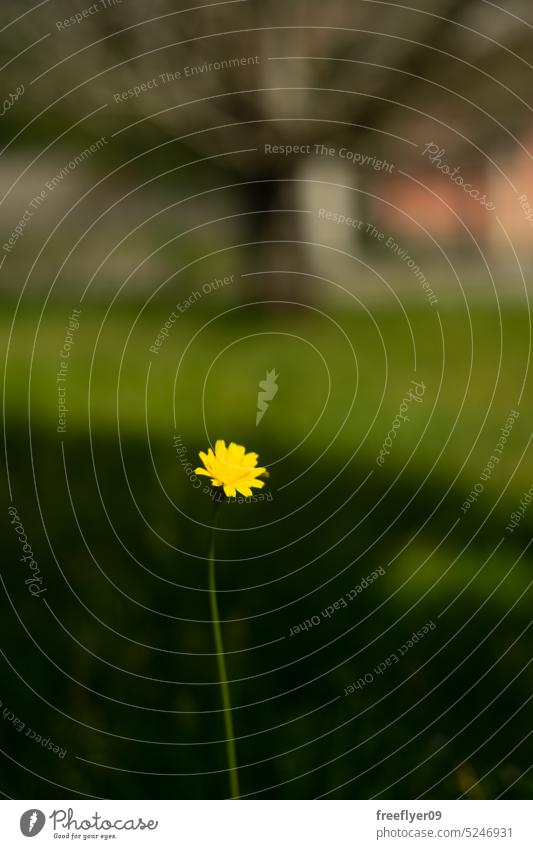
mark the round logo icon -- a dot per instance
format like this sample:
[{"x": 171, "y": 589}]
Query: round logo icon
[{"x": 32, "y": 822}]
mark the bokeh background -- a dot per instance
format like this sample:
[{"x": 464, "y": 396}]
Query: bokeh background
[{"x": 338, "y": 191}]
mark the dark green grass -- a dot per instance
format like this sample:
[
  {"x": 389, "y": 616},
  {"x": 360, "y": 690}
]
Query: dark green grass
[{"x": 131, "y": 660}]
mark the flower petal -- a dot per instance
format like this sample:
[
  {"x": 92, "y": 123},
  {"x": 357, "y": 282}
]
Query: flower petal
[
  {"x": 220, "y": 449},
  {"x": 206, "y": 458},
  {"x": 235, "y": 454}
]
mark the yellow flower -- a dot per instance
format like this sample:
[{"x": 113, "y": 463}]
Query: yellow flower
[{"x": 231, "y": 468}]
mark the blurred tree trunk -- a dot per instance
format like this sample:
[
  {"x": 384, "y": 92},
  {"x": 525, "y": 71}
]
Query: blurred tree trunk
[{"x": 275, "y": 229}]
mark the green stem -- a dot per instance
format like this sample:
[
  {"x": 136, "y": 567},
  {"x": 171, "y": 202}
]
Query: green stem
[{"x": 223, "y": 677}]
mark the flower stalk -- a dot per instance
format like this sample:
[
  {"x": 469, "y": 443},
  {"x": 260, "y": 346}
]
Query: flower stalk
[{"x": 221, "y": 662}]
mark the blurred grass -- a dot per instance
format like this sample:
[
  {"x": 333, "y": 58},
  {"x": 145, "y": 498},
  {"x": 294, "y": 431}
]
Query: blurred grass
[{"x": 474, "y": 376}]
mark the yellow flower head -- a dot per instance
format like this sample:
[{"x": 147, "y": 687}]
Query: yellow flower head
[{"x": 231, "y": 468}]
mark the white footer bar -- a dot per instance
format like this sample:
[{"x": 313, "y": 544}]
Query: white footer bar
[{"x": 268, "y": 824}]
